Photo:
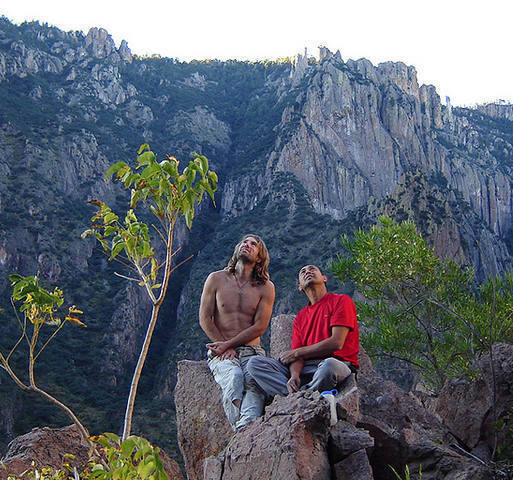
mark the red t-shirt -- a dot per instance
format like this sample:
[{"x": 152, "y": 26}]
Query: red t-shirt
[{"x": 313, "y": 324}]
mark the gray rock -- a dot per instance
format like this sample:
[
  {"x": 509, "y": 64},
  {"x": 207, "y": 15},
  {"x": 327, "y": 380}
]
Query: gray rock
[
  {"x": 99, "y": 42},
  {"x": 346, "y": 439},
  {"x": 288, "y": 442},
  {"x": 466, "y": 406},
  {"x": 124, "y": 52},
  {"x": 203, "y": 430},
  {"x": 355, "y": 466},
  {"x": 212, "y": 468},
  {"x": 348, "y": 401},
  {"x": 281, "y": 334},
  {"x": 406, "y": 434},
  {"x": 47, "y": 447}
]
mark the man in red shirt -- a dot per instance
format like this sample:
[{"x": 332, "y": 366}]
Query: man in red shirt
[{"x": 325, "y": 342}]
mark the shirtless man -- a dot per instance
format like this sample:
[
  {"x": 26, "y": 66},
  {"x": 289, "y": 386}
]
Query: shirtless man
[{"x": 235, "y": 309}]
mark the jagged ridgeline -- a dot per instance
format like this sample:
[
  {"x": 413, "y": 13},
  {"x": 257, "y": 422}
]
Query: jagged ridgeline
[{"x": 305, "y": 149}]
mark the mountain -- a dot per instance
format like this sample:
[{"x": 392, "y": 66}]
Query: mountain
[{"x": 305, "y": 149}]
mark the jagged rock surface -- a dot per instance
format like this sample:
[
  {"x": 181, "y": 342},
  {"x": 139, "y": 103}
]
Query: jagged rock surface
[
  {"x": 466, "y": 405},
  {"x": 49, "y": 447},
  {"x": 293, "y": 438},
  {"x": 288, "y": 442},
  {"x": 203, "y": 429}
]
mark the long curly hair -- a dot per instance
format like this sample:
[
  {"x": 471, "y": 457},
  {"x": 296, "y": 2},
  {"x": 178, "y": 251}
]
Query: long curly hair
[{"x": 260, "y": 273}]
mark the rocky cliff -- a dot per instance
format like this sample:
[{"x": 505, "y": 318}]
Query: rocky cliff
[{"x": 305, "y": 150}]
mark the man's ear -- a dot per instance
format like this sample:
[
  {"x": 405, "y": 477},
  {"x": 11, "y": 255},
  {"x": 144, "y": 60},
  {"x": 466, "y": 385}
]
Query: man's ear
[
  {"x": 299, "y": 287},
  {"x": 325, "y": 278}
]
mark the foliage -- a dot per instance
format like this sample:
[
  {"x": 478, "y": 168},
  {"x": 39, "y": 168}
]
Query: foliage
[
  {"x": 504, "y": 427},
  {"x": 131, "y": 459},
  {"x": 407, "y": 475},
  {"x": 168, "y": 194},
  {"x": 419, "y": 308},
  {"x": 39, "y": 308}
]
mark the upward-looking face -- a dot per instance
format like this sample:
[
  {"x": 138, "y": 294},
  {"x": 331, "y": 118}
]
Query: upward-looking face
[
  {"x": 310, "y": 275},
  {"x": 249, "y": 249}
]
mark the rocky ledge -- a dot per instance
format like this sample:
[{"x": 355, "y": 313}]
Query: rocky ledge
[{"x": 380, "y": 426}]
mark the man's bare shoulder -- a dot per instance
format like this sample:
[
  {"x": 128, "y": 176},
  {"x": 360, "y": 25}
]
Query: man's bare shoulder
[
  {"x": 218, "y": 276},
  {"x": 267, "y": 287}
]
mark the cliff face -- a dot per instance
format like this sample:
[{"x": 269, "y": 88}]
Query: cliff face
[
  {"x": 305, "y": 151},
  {"x": 356, "y": 131}
]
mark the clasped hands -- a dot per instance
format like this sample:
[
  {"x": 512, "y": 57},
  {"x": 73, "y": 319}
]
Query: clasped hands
[{"x": 221, "y": 350}]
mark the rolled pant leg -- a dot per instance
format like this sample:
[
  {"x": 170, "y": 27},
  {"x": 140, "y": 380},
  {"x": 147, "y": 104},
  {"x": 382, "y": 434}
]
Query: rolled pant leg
[
  {"x": 269, "y": 374},
  {"x": 229, "y": 376},
  {"x": 330, "y": 373}
]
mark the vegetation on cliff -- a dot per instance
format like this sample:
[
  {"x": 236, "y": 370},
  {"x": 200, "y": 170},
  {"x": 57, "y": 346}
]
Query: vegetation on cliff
[{"x": 306, "y": 150}]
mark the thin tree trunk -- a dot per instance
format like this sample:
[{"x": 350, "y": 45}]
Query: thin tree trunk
[
  {"x": 127, "y": 426},
  {"x": 35, "y": 389},
  {"x": 137, "y": 372},
  {"x": 83, "y": 431}
]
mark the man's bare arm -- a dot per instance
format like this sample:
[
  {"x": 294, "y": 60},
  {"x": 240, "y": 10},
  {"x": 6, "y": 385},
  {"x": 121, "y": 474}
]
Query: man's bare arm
[
  {"x": 207, "y": 309},
  {"x": 295, "y": 371},
  {"x": 317, "y": 350},
  {"x": 259, "y": 326}
]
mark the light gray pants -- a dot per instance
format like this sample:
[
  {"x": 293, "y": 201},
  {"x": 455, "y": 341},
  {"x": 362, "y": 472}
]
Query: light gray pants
[
  {"x": 272, "y": 376},
  {"x": 236, "y": 384}
]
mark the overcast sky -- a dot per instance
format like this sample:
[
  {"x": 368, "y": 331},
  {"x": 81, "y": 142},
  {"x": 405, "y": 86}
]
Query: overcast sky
[{"x": 463, "y": 47}]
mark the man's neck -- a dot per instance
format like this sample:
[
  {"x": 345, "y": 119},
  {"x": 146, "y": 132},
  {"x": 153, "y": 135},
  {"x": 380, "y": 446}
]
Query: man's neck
[
  {"x": 243, "y": 270},
  {"x": 315, "y": 293}
]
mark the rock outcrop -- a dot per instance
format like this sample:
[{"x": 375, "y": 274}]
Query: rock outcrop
[
  {"x": 467, "y": 405},
  {"x": 294, "y": 440},
  {"x": 51, "y": 447},
  {"x": 203, "y": 430}
]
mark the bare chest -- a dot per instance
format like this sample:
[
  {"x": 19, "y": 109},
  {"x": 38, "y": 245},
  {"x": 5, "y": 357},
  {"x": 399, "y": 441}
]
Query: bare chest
[{"x": 242, "y": 299}]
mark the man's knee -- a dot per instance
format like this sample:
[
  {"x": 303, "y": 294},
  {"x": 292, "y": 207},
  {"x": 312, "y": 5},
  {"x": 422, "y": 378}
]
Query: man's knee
[
  {"x": 332, "y": 363},
  {"x": 255, "y": 364},
  {"x": 335, "y": 368}
]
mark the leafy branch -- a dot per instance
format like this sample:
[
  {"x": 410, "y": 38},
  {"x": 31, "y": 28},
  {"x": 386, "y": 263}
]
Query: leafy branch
[
  {"x": 39, "y": 307},
  {"x": 168, "y": 194}
]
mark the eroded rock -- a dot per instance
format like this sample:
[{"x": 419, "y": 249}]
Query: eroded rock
[
  {"x": 466, "y": 406},
  {"x": 48, "y": 447},
  {"x": 203, "y": 429},
  {"x": 288, "y": 442}
]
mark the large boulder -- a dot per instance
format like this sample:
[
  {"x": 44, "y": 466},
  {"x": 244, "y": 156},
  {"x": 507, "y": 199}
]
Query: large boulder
[
  {"x": 203, "y": 429},
  {"x": 45, "y": 447},
  {"x": 405, "y": 433},
  {"x": 50, "y": 447},
  {"x": 379, "y": 426},
  {"x": 288, "y": 442},
  {"x": 466, "y": 406},
  {"x": 291, "y": 441}
]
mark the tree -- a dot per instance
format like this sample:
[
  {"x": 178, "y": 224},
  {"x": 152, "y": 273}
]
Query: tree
[
  {"x": 40, "y": 310},
  {"x": 420, "y": 309},
  {"x": 168, "y": 194}
]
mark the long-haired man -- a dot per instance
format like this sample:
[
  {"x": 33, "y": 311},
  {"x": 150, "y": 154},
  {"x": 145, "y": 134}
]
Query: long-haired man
[{"x": 235, "y": 309}]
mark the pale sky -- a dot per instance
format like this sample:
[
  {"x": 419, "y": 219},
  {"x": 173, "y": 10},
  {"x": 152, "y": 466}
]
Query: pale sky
[{"x": 463, "y": 47}]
